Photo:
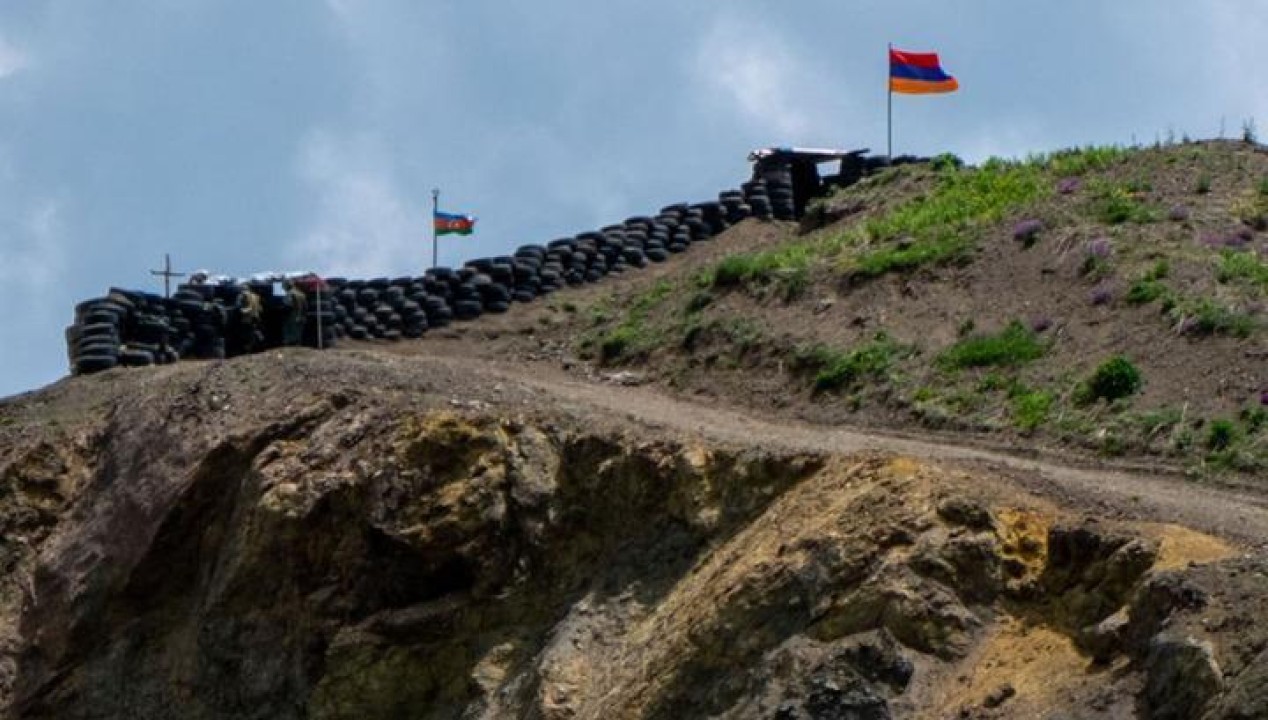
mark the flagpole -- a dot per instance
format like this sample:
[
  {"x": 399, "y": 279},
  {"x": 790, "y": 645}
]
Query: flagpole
[
  {"x": 435, "y": 208},
  {"x": 889, "y": 106}
]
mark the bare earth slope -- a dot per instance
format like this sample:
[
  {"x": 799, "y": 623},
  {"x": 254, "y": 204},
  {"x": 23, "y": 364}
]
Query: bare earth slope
[{"x": 358, "y": 534}]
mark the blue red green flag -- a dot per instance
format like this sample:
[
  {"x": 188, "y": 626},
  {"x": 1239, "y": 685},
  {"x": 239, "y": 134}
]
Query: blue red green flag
[
  {"x": 450, "y": 223},
  {"x": 914, "y": 73}
]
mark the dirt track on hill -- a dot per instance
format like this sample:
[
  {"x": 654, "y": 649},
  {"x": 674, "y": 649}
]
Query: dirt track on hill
[{"x": 1237, "y": 515}]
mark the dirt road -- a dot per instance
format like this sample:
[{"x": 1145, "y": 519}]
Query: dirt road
[{"x": 1239, "y": 516}]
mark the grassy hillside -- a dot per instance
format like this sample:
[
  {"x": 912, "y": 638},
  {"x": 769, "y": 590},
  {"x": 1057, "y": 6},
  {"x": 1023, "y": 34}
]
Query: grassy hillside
[{"x": 1105, "y": 298}]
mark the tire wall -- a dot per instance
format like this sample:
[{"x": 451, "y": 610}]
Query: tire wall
[{"x": 132, "y": 328}]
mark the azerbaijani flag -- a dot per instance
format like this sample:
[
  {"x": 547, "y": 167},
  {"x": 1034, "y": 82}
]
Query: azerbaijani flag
[
  {"x": 449, "y": 223},
  {"x": 913, "y": 73}
]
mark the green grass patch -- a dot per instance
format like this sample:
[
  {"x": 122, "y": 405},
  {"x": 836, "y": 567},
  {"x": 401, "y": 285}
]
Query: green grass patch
[
  {"x": 1208, "y": 317},
  {"x": 1149, "y": 286},
  {"x": 1221, "y": 434},
  {"x": 940, "y": 227},
  {"x": 962, "y": 199},
  {"x": 836, "y": 369},
  {"x": 1014, "y": 345},
  {"x": 1118, "y": 203},
  {"x": 1143, "y": 292},
  {"x": 1242, "y": 267},
  {"x": 1080, "y": 161},
  {"x": 935, "y": 251},
  {"x": 1030, "y": 407},
  {"x": 632, "y": 337},
  {"x": 785, "y": 268}
]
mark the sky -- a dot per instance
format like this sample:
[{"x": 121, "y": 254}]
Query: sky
[{"x": 243, "y": 136}]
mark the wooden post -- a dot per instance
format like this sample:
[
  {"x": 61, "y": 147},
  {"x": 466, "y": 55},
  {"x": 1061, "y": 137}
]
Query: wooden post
[{"x": 167, "y": 274}]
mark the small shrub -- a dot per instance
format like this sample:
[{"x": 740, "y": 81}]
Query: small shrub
[
  {"x": 1203, "y": 185},
  {"x": 1115, "y": 378},
  {"x": 1220, "y": 435},
  {"x": 1143, "y": 292},
  {"x": 946, "y": 161},
  {"x": 1015, "y": 345},
  {"x": 618, "y": 341},
  {"x": 1254, "y": 418},
  {"x": 1149, "y": 286},
  {"x": 1031, "y": 408}
]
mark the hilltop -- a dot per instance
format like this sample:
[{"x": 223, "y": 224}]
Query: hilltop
[
  {"x": 973, "y": 301},
  {"x": 964, "y": 442}
]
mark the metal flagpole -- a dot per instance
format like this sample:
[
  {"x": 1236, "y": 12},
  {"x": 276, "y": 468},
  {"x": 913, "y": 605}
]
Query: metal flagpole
[
  {"x": 435, "y": 208},
  {"x": 321, "y": 341},
  {"x": 889, "y": 105}
]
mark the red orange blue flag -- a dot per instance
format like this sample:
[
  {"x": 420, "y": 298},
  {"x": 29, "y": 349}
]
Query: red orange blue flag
[{"x": 914, "y": 73}]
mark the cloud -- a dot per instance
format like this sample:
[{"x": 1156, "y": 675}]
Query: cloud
[
  {"x": 756, "y": 73},
  {"x": 12, "y": 59},
  {"x": 31, "y": 235},
  {"x": 363, "y": 224}
]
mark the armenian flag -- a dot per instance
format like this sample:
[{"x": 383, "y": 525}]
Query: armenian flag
[
  {"x": 449, "y": 223},
  {"x": 914, "y": 73}
]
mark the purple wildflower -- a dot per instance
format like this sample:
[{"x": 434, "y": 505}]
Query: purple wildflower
[
  {"x": 1068, "y": 185},
  {"x": 1263, "y": 398},
  {"x": 1099, "y": 248},
  {"x": 1101, "y": 295},
  {"x": 1040, "y": 323},
  {"x": 1234, "y": 240},
  {"x": 1027, "y": 230},
  {"x": 1178, "y": 213}
]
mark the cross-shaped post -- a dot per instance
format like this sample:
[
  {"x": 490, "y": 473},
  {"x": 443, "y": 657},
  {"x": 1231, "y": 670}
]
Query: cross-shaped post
[{"x": 167, "y": 274}]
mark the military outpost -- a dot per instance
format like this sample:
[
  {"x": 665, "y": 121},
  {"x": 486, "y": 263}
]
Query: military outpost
[{"x": 215, "y": 317}]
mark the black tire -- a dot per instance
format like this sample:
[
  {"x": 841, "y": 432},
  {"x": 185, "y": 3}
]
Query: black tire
[
  {"x": 99, "y": 330},
  {"x": 96, "y": 346},
  {"x": 136, "y": 358},
  {"x": 467, "y": 309},
  {"x": 87, "y": 364}
]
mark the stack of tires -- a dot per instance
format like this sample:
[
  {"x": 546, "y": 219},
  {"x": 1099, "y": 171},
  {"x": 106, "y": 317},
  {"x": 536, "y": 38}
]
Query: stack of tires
[
  {"x": 124, "y": 328},
  {"x": 387, "y": 309},
  {"x": 779, "y": 188},
  {"x": 759, "y": 202},
  {"x": 206, "y": 321},
  {"x": 735, "y": 207}
]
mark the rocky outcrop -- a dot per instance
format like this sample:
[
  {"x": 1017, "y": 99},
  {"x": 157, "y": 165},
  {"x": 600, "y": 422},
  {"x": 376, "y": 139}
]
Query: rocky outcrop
[{"x": 252, "y": 542}]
